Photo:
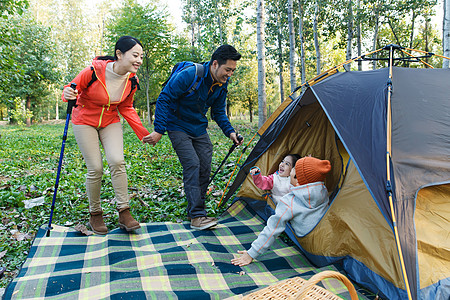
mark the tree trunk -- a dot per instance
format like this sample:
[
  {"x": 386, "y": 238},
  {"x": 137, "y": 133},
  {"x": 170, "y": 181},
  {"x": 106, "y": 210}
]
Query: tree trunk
[
  {"x": 280, "y": 60},
  {"x": 349, "y": 34},
  {"x": 316, "y": 37},
  {"x": 262, "y": 113},
  {"x": 219, "y": 22},
  {"x": 446, "y": 34},
  {"x": 411, "y": 36},
  {"x": 302, "y": 42},
  {"x": 57, "y": 108},
  {"x": 425, "y": 34},
  {"x": 358, "y": 34},
  {"x": 28, "y": 108},
  {"x": 375, "y": 34},
  {"x": 291, "y": 45}
]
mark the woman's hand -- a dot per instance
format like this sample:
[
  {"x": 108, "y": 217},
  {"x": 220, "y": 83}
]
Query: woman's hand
[
  {"x": 70, "y": 94},
  {"x": 152, "y": 138}
]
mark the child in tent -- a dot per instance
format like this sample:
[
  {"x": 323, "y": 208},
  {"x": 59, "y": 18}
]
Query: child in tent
[
  {"x": 278, "y": 182},
  {"x": 303, "y": 205}
]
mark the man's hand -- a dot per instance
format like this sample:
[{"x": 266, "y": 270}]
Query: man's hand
[
  {"x": 152, "y": 138},
  {"x": 235, "y": 139}
]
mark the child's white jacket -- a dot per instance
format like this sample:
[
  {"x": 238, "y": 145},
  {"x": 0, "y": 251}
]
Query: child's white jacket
[{"x": 304, "y": 206}]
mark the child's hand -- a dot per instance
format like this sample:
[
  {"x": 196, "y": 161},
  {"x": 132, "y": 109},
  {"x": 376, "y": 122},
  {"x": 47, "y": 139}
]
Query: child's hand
[
  {"x": 254, "y": 170},
  {"x": 243, "y": 260}
]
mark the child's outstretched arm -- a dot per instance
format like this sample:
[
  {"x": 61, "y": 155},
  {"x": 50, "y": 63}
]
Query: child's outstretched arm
[
  {"x": 263, "y": 182},
  {"x": 242, "y": 260}
]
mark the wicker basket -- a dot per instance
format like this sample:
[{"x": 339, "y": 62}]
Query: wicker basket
[{"x": 298, "y": 288}]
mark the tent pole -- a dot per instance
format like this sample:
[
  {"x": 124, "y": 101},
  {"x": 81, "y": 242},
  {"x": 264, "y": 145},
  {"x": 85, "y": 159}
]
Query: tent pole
[
  {"x": 235, "y": 166},
  {"x": 424, "y": 62},
  {"x": 421, "y": 51},
  {"x": 388, "y": 174}
]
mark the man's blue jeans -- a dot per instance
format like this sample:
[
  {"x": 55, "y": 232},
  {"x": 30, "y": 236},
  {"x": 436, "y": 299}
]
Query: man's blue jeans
[{"x": 195, "y": 155}]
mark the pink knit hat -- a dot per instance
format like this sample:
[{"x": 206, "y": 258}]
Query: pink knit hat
[{"x": 311, "y": 169}]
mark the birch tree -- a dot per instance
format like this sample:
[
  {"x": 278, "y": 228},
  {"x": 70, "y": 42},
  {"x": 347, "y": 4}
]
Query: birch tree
[
  {"x": 280, "y": 56},
  {"x": 376, "y": 17},
  {"x": 316, "y": 36},
  {"x": 358, "y": 33},
  {"x": 302, "y": 42},
  {"x": 349, "y": 33},
  {"x": 219, "y": 23},
  {"x": 291, "y": 45},
  {"x": 446, "y": 33},
  {"x": 262, "y": 110}
]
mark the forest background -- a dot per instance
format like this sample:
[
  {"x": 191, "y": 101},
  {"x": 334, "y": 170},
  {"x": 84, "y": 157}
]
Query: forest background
[{"x": 45, "y": 43}]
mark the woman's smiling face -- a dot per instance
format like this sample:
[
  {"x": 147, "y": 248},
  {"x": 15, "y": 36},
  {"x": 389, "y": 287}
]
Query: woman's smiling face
[{"x": 129, "y": 61}]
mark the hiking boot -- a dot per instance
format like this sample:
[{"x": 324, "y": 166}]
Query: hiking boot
[
  {"x": 202, "y": 223},
  {"x": 126, "y": 221},
  {"x": 97, "y": 224}
]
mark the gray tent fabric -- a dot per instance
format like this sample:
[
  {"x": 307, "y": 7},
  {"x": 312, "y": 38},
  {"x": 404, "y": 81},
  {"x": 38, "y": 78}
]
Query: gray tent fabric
[{"x": 420, "y": 145}]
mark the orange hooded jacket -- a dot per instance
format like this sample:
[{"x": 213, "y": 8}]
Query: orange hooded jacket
[{"x": 94, "y": 104}]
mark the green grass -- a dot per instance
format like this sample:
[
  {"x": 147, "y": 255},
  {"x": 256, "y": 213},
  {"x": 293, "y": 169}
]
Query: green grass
[{"x": 28, "y": 164}]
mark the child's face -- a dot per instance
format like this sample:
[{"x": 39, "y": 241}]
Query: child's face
[
  {"x": 294, "y": 180},
  {"x": 285, "y": 167}
]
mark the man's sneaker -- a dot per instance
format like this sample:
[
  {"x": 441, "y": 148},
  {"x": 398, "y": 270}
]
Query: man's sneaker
[{"x": 202, "y": 223}]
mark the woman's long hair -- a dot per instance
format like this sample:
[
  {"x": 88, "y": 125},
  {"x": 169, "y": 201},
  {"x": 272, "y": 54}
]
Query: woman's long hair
[{"x": 124, "y": 43}]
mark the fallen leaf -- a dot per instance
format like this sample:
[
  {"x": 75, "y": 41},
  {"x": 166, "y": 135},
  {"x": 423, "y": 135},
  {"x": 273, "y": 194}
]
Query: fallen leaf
[
  {"x": 34, "y": 202},
  {"x": 19, "y": 236},
  {"x": 81, "y": 228}
]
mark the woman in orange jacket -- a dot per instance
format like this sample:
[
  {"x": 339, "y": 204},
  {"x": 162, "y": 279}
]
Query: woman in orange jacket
[{"x": 104, "y": 90}]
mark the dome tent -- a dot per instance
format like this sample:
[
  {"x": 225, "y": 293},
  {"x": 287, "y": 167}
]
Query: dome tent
[{"x": 388, "y": 226}]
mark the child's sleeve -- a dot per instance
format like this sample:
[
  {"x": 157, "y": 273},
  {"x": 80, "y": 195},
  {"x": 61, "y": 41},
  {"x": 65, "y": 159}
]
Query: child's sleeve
[
  {"x": 263, "y": 182},
  {"x": 276, "y": 224}
]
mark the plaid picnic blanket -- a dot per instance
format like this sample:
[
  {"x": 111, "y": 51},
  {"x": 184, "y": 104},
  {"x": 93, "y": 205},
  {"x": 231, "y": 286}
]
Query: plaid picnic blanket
[{"x": 160, "y": 261}]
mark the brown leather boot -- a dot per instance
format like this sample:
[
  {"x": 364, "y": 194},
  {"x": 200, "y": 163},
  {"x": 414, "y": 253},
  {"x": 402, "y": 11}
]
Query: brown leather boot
[
  {"x": 126, "y": 221},
  {"x": 97, "y": 224}
]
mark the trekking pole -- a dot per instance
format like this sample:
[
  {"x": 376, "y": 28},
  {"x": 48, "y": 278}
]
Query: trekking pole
[
  {"x": 70, "y": 105},
  {"x": 239, "y": 138}
]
